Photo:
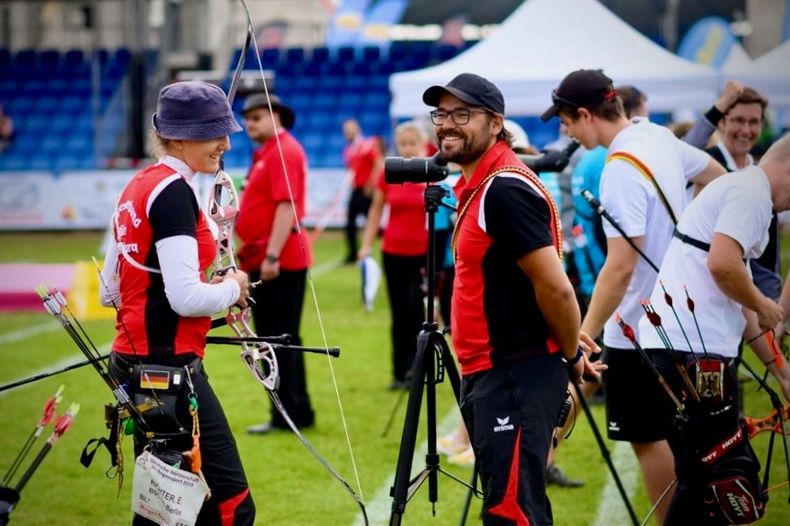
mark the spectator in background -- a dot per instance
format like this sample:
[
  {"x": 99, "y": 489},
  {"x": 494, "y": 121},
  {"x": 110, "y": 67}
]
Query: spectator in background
[
  {"x": 363, "y": 160},
  {"x": 740, "y": 125},
  {"x": 403, "y": 247},
  {"x": 6, "y": 130},
  {"x": 275, "y": 250}
]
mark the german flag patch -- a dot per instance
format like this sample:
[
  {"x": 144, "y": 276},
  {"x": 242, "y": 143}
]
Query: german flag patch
[{"x": 151, "y": 379}]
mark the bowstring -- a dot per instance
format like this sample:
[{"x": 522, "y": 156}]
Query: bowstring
[{"x": 299, "y": 229}]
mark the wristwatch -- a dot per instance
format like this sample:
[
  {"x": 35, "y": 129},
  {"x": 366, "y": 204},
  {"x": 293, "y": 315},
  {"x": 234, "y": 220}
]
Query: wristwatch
[
  {"x": 572, "y": 361},
  {"x": 271, "y": 258}
]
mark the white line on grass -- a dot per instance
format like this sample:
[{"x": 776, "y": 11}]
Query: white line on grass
[
  {"x": 326, "y": 267},
  {"x": 380, "y": 506},
  {"x": 611, "y": 509},
  {"x": 21, "y": 334},
  {"x": 54, "y": 366}
]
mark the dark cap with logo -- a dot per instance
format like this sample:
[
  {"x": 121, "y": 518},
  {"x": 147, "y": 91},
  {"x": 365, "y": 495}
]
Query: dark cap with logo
[
  {"x": 582, "y": 88},
  {"x": 259, "y": 100},
  {"x": 470, "y": 88}
]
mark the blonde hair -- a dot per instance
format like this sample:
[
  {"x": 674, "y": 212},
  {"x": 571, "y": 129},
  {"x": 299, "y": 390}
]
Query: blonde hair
[
  {"x": 414, "y": 126},
  {"x": 158, "y": 143}
]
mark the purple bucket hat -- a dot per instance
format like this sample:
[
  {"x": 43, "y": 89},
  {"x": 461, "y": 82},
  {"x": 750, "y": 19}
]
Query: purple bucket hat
[{"x": 193, "y": 110}]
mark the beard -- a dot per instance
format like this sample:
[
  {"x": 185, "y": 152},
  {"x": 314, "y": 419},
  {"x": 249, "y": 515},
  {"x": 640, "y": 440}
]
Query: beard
[{"x": 465, "y": 151}]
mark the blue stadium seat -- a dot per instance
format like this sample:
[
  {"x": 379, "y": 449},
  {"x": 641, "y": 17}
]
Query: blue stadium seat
[
  {"x": 320, "y": 55},
  {"x": 79, "y": 145},
  {"x": 25, "y": 57},
  {"x": 299, "y": 102},
  {"x": 330, "y": 83},
  {"x": 349, "y": 100},
  {"x": 34, "y": 124},
  {"x": 73, "y": 57},
  {"x": 72, "y": 104},
  {"x": 335, "y": 69},
  {"x": 371, "y": 54},
  {"x": 15, "y": 163},
  {"x": 41, "y": 162},
  {"x": 324, "y": 101},
  {"x": 56, "y": 86},
  {"x": 270, "y": 56},
  {"x": 283, "y": 84},
  {"x": 5, "y": 59},
  {"x": 318, "y": 122},
  {"x": 34, "y": 88},
  {"x": 47, "y": 104},
  {"x": 48, "y": 59},
  {"x": 122, "y": 56},
  {"x": 67, "y": 162},
  {"x": 294, "y": 54},
  {"x": 8, "y": 88},
  {"x": 333, "y": 159},
  {"x": 356, "y": 82},
  {"x": 305, "y": 83},
  {"x": 19, "y": 106},
  {"x": 376, "y": 100},
  {"x": 346, "y": 54}
]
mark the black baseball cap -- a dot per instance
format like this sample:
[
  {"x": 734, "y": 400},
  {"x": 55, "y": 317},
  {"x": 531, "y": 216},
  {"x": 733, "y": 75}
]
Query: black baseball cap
[
  {"x": 470, "y": 88},
  {"x": 259, "y": 100},
  {"x": 582, "y": 88}
]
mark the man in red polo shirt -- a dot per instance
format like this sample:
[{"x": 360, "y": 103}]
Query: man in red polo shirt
[
  {"x": 363, "y": 158},
  {"x": 275, "y": 250},
  {"x": 515, "y": 320}
]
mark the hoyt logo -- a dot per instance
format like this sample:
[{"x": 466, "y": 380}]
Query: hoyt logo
[
  {"x": 739, "y": 504},
  {"x": 503, "y": 425}
]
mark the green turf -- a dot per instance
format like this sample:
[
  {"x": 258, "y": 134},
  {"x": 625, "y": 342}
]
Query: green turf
[{"x": 288, "y": 485}]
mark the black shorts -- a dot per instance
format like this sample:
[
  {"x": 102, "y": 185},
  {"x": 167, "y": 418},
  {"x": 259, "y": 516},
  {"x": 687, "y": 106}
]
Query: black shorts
[
  {"x": 510, "y": 412},
  {"x": 634, "y": 398}
]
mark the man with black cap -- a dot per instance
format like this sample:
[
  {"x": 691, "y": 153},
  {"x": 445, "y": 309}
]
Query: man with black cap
[
  {"x": 274, "y": 249},
  {"x": 515, "y": 321},
  {"x": 643, "y": 184}
]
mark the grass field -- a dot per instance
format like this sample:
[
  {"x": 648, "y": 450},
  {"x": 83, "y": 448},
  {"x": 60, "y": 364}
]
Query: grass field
[{"x": 289, "y": 487}]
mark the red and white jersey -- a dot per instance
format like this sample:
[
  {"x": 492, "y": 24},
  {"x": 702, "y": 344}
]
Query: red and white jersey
[{"x": 156, "y": 204}]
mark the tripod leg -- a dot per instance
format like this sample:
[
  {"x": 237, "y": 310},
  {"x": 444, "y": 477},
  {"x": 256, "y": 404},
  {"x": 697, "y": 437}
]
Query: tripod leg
[
  {"x": 605, "y": 454},
  {"x": 400, "y": 489},
  {"x": 469, "y": 494}
]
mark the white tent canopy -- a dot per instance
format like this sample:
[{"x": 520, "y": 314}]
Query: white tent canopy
[
  {"x": 769, "y": 74},
  {"x": 543, "y": 40}
]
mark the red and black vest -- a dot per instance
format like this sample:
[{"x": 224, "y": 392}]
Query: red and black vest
[{"x": 146, "y": 324}]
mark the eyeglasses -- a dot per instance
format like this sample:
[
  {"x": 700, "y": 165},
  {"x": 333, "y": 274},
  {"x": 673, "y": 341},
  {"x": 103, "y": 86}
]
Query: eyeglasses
[
  {"x": 459, "y": 116},
  {"x": 741, "y": 122}
]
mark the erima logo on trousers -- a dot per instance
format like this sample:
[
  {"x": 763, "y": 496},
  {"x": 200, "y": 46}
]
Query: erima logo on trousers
[{"x": 504, "y": 425}]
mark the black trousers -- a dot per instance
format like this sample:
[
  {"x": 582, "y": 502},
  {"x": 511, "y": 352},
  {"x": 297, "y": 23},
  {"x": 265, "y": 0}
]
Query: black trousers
[
  {"x": 358, "y": 205},
  {"x": 231, "y": 500},
  {"x": 278, "y": 310},
  {"x": 404, "y": 286},
  {"x": 510, "y": 412}
]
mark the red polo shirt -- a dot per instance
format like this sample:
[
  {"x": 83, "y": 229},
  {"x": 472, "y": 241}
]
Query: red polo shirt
[
  {"x": 361, "y": 156},
  {"x": 267, "y": 186},
  {"x": 406, "y": 233}
]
